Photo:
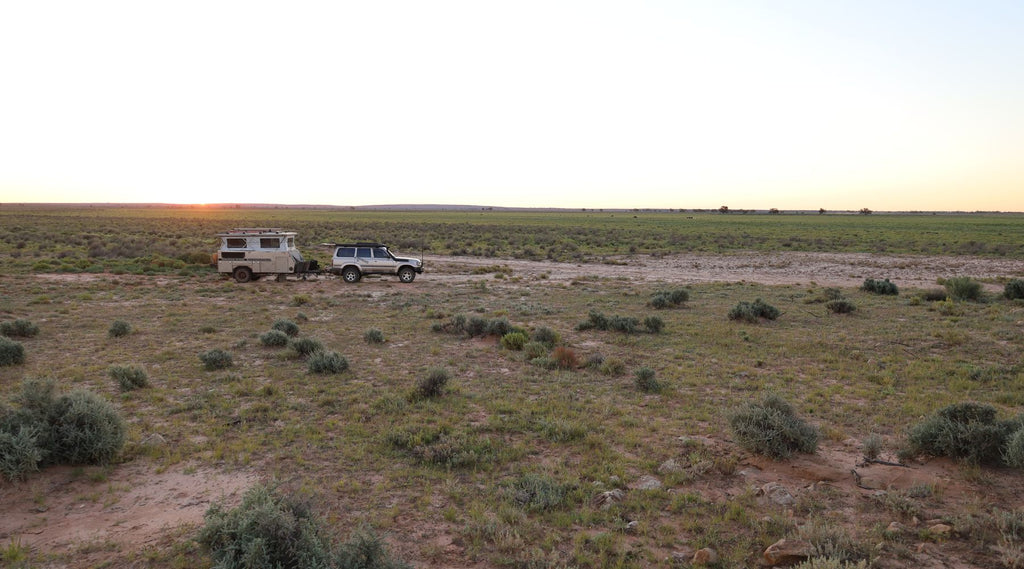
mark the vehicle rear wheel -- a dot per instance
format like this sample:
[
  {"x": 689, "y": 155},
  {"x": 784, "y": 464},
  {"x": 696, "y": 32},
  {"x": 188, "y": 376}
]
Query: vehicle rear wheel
[
  {"x": 351, "y": 275},
  {"x": 406, "y": 275},
  {"x": 242, "y": 274}
]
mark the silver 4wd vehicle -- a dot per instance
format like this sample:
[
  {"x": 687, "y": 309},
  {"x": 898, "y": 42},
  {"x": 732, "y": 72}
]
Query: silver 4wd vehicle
[
  {"x": 353, "y": 260},
  {"x": 247, "y": 253}
]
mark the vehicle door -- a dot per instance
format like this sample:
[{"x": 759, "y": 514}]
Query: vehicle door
[
  {"x": 383, "y": 262},
  {"x": 364, "y": 258}
]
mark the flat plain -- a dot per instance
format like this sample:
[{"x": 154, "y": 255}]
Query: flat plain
[{"x": 526, "y": 459}]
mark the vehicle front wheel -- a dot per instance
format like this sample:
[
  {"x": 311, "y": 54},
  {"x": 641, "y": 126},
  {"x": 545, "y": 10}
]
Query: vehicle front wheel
[
  {"x": 242, "y": 274},
  {"x": 406, "y": 275},
  {"x": 351, "y": 275}
]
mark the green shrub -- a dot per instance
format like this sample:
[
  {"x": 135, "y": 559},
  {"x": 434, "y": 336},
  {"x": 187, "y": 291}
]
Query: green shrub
[
  {"x": 85, "y": 429},
  {"x": 287, "y": 326},
  {"x": 266, "y": 531},
  {"x": 476, "y": 326},
  {"x": 545, "y": 336},
  {"x": 753, "y": 311},
  {"x": 19, "y": 329},
  {"x": 535, "y": 350},
  {"x": 498, "y": 327},
  {"x": 307, "y": 346},
  {"x": 840, "y": 306},
  {"x": 646, "y": 381},
  {"x": 274, "y": 339},
  {"x": 513, "y": 341},
  {"x": 20, "y": 452},
  {"x": 119, "y": 328},
  {"x": 216, "y": 359},
  {"x": 613, "y": 366},
  {"x": 373, "y": 336},
  {"x": 432, "y": 385},
  {"x": 962, "y": 288},
  {"x": 1014, "y": 289},
  {"x": 327, "y": 363},
  {"x": 880, "y": 287},
  {"x": 669, "y": 298},
  {"x": 1014, "y": 454},
  {"x": 653, "y": 324},
  {"x": 965, "y": 431},
  {"x": 11, "y": 352},
  {"x": 770, "y": 427},
  {"x": 128, "y": 377}
]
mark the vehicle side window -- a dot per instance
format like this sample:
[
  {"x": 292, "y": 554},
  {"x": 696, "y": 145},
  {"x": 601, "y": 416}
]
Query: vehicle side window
[
  {"x": 270, "y": 243},
  {"x": 346, "y": 252},
  {"x": 236, "y": 243},
  {"x": 290, "y": 242},
  {"x": 381, "y": 253},
  {"x": 363, "y": 252}
]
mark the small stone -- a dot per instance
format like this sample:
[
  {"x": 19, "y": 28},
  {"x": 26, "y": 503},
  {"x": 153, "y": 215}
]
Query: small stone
[
  {"x": 787, "y": 552},
  {"x": 896, "y": 527},
  {"x": 777, "y": 494},
  {"x": 941, "y": 530},
  {"x": 705, "y": 556},
  {"x": 605, "y": 499},
  {"x": 632, "y": 526}
]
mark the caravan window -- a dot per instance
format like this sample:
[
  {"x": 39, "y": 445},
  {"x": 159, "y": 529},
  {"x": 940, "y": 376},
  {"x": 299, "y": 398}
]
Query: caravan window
[
  {"x": 270, "y": 242},
  {"x": 236, "y": 242}
]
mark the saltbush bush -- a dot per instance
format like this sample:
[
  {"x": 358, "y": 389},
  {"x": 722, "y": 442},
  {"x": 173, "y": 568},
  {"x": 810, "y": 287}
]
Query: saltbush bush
[
  {"x": 880, "y": 287},
  {"x": 327, "y": 363},
  {"x": 287, "y": 326},
  {"x": 216, "y": 359},
  {"x": 646, "y": 380},
  {"x": 1014, "y": 289},
  {"x": 753, "y": 311},
  {"x": 545, "y": 336},
  {"x": 270, "y": 530},
  {"x": 771, "y": 427},
  {"x": 653, "y": 324},
  {"x": 966, "y": 431},
  {"x": 669, "y": 298},
  {"x": 840, "y": 306},
  {"x": 613, "y": 366},
  {"x": 307, "y": 346},
  {"x": 535, "y": 492},
  {"x": 128, "y": 377},
  {"x": 624, "y": 324},
  {"x": 432, "y": 385},
  {"x": 373, "y": 336},
  {"x": 20, "y": 452},
  {"x": 1014, "y": 454},
  {"x": 85, "y": 429},
  {"x": 962, "y": 288},
  {"x": 514, "y": 341},
  {"x": 119, "y": 328},
  {"x": 535, "y": 349},
  {"x": 274, "y": 339},
  {"x": 19, "y": 329},
  {"x": 11, "y": 352}
]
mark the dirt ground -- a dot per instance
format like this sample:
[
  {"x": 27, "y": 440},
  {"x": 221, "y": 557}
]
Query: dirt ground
[{"x": 99, "y": 515}]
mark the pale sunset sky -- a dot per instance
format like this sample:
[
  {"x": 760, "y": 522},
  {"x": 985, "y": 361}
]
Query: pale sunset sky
[{"x": 886, "y": 104}]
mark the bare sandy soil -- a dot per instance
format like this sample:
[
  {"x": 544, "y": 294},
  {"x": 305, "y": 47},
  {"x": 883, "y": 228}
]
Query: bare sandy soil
[{"x": 100, "y": 517}]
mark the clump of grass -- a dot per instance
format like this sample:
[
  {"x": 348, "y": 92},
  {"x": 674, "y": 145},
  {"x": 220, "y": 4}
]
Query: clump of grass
[
  {"x": 433, "y": 384},
  {"x": 669, "y": 298},
  {"x": 840, "y": 306},
  {"x": 966, "y": 431},
  {"x": 535, "y": 492},
  {"x": 119, "y": 329},
  {"x": 455, "y": 451},
  {"x": 753, "y": 311},
  {"x": 654, "y": 324},
  {"x": 1014, "y": 454},
  {"x": 613, "y": 366},
  {"x": 962, "y": 288},
  {"x": 270, "y": 529},
  {"x": 373, "y": 336},
  {"x": 514, "y": 341},
  {"x": 11, "y": 352},
  {"x": 565, "y": 358},
  {"x": 1014, "y": 289},
  {"x": 287, "y": 326},
  {"x": 475, "y": 326},
  {"x": 884, "y": 287},
  {"x": 625, "y": 324},
  {"x": 307, "y": 346},
  {"x": 216, "y": 359},
  {"x": 871, "y": 446},
  {"x": 771, "y": 427},
  {"x": 327, "y": 363},
  {"x": 274, "y": 339},
  {"x": 128, "y": 378},
  {"x": 646, "y": 380},
  {"x": 300, "y": 299},
  {"x": 19, "y": 329},
  {"x": 534, "y": 349}
]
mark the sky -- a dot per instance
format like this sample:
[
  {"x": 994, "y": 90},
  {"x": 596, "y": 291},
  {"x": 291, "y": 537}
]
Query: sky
[{"x": 885, "y": 104}]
